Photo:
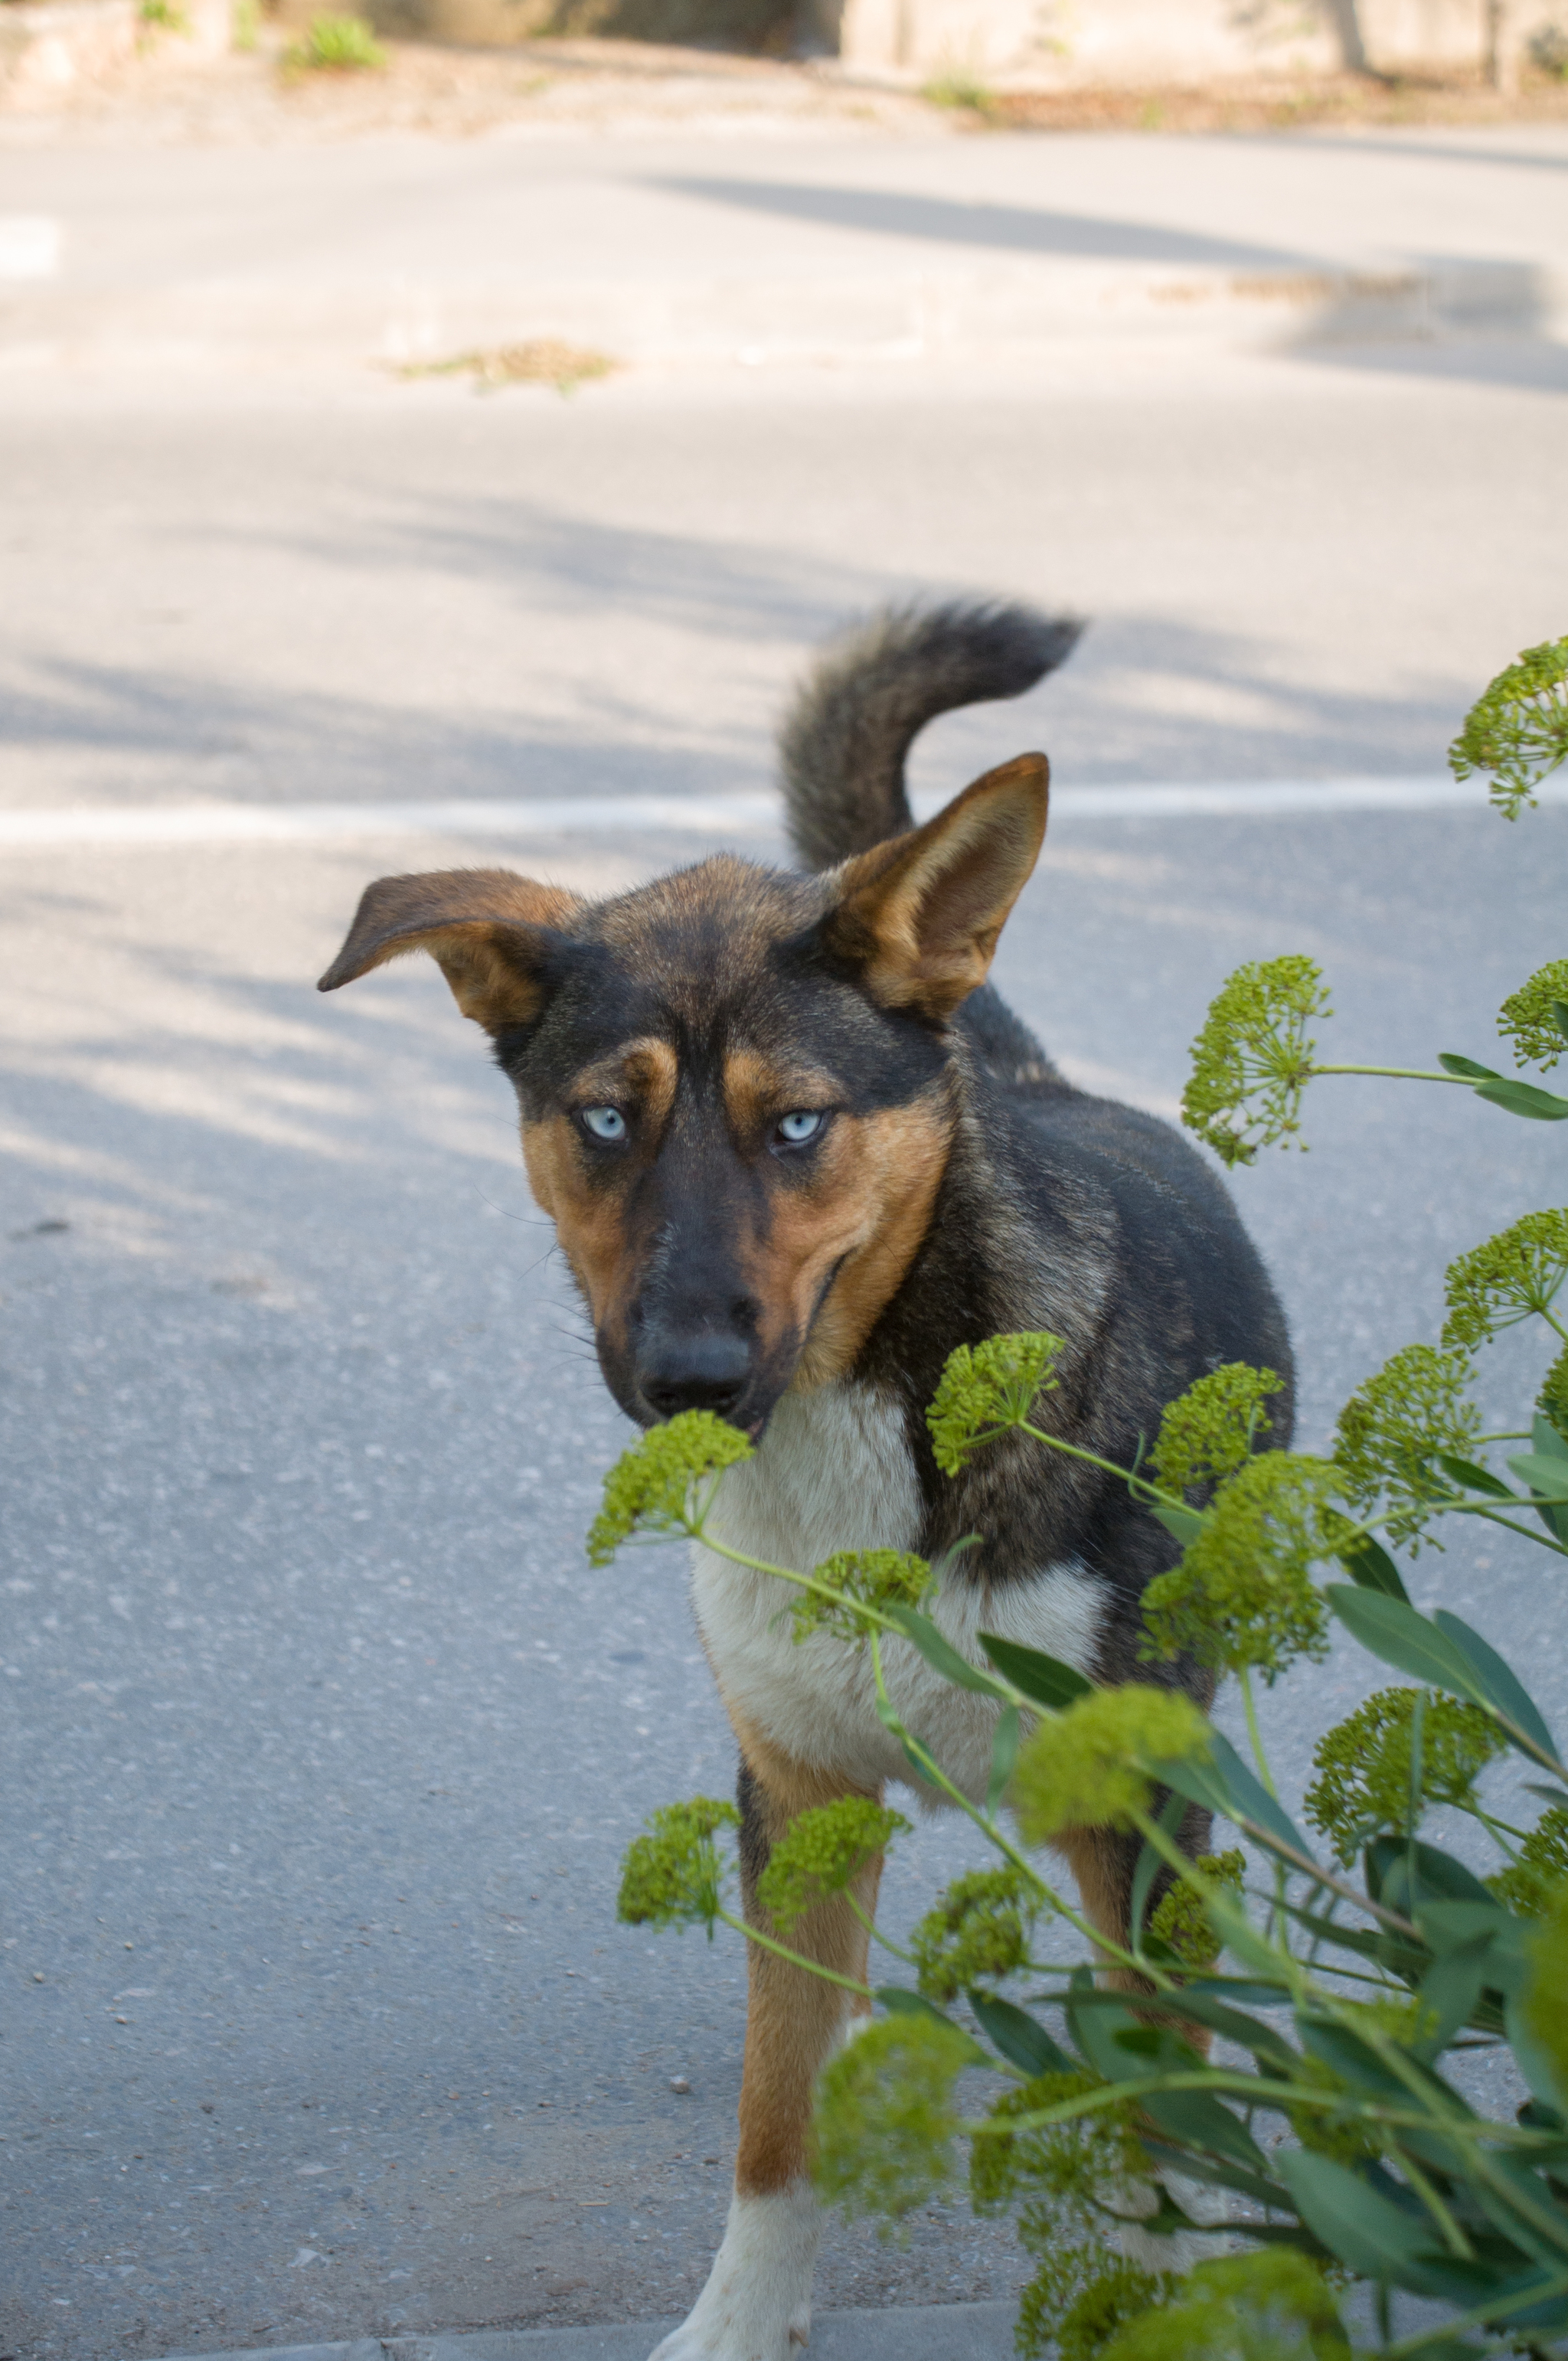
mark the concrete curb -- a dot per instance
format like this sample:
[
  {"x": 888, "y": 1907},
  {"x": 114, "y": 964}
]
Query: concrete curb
[
  {"x": 941, "y": 2331},
  {"x": 1021, "y": 308}
]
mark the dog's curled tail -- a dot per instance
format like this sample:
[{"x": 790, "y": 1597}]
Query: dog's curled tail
[{"x": 870, "y": 693}]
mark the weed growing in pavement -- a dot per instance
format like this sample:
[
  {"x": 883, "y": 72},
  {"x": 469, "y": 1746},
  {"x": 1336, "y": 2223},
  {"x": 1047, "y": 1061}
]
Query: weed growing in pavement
[
  {"x": 544, "y": 361},
  {"x": 335, "y": 45},
  {"x": 1334, "y": 2135},
  {"x": 961, "y": 90}
]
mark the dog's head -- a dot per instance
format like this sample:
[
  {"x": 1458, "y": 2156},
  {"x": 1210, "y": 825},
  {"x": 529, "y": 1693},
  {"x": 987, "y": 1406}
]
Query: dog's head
[{"x": 735, "y": 1083}]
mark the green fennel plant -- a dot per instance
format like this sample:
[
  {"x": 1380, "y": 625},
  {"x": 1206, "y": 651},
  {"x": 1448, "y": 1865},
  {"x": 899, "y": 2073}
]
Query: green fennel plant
[{"x": 1346, "y": 1972}]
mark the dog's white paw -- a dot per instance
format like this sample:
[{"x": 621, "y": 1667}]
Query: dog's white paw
[{"x": 757, "y": 2303}]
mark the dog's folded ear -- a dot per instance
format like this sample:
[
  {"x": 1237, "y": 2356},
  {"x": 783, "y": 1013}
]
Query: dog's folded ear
[
  {"x": 920, "y": 915},
  {"x": 495, "y": 935}
]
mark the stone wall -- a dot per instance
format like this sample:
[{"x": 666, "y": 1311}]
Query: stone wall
[{"x": 1068, "y": 44}]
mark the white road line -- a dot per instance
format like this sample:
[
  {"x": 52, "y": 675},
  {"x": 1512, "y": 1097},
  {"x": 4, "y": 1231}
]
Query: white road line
[{"x": 712, "y": 817}]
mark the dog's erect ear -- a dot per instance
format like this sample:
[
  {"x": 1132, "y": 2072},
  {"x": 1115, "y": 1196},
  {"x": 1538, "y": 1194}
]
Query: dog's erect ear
[
  {"x": 491, "y": 933},
  {"x": 920, "y": 915}
]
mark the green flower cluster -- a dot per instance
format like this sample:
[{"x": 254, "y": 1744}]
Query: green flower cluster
[
  {"x": 671, "y": 1876},
  {"x": 1207, "y": 1432},
  {"x": 1068, "y": 2180},
  {"x": 1088, "y": 1767},
  {"x": 1517, "y": 732},
  {"x": 822, "y": 1852},
  {"x": 1546, "y": 1992},
  {"x": 1180, "y": 1918},
  {"x": 1506, "y": 1279},
  {"x": 1077, "y": 2300},
  {"x": 1253, "y": 1058},
  {"x": 1363, "y": 1764},
  {"x": 978, "y": 1933},
  {"x": 649, "y": 1489},
  {"x": 1535, "y": 1017},
  {"x": 880, "y": 1578},
  {"x": 1243, "y": 1595},
  {"x": 1527, "y": 1886},
  {"x": 1553, "y": 1399},
  {"x": 1274, "y": 2305},
  {"x": 987, "y": 1389},
  {"x": 1392, "y": 1429},
  {"x": 1076, "y": 2168},
  {"x": 883, "y": 2133}
]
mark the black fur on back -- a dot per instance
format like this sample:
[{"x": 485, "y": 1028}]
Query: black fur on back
[
  {"x": 1057, "y": 1210},
  {"x": 868, "y": 696}
]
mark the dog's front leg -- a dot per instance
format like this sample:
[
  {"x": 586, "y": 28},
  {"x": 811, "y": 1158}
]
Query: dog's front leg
[{"x": 757, "y": 2303}]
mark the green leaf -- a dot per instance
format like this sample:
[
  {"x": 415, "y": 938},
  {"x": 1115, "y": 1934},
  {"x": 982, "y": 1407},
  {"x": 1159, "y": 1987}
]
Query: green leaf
[
  {"x": 922, "y": 1633},
  {"x": 899, "y": 2000},
  {"x": 1227, "y": 1785},
  {"x": 1238, "y": 1934},
  {"x": 1448, "y": 1924},
  {"x": 1199, "y": 2118},
  {"x": 1392, "y": 1629},
  {"x": 1004, "y": 1755},
  {"x": 1186, "y": 1524},
  {"x": 1373, "y": 2237},
  {"x": 1559, "y": 1017},
  {"x": 1221, "y": 2176},
  {"x": 1467, "y": 1067},
  {"x": 1453, "y": 1986},
  {"x": 1547, "y": 1439},
  {"x": 1502, "y": 1689},
  {"x": 1410, "y": 1872},
  {"x": 1524, "y": 1098},
  {"x": 1021, "y": 2038},
  {"x": 1149, "y": 1864},
  {"x": 1356, "y": 2064},
  {"x": 1045, "y": 1678},
  {"x": 1471, "y": 1479},
  {"x": 1098, "y": 2027},
  {"x": 1370, "y": 1565},
  {"x": 1235, "y": 2023},
  {"x": 1528, "y": 2055},
  {"x": 1545, "y": 1475}
]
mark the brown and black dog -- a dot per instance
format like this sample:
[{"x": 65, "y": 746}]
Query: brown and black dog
[{"x": 797, "y": 1151}]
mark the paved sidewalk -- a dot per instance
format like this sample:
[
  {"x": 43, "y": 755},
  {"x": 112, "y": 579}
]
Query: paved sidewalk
[
  {"x": 943, "y": 2332},
  {"x": 674, "y": 250}
]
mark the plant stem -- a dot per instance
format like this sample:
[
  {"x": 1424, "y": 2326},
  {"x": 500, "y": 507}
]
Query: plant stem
[
  {"x": 1396, "y": 1074},
  {"x": 1244, "y": 1682},
  {"x": 874, "y": 1931},
  {"x": 796, "y": 1959},
  {"x": 889, "y": 1715},
  {"x": 1137, "y": 1485}
]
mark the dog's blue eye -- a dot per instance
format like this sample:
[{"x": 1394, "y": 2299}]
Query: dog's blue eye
[
  {"x": 605, "y": 1123},
  {"x": 795, "y": 1129}
]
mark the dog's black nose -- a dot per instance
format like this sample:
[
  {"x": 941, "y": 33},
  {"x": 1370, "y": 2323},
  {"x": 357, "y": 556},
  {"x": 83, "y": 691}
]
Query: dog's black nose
[{"x": 707, "y": 1370}]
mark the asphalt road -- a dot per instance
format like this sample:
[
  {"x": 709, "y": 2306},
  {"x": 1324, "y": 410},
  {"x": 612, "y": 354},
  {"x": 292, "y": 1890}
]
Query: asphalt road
[{"x": 320, "y": 1742}]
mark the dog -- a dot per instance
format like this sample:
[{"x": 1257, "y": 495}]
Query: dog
[{"x": 797, "y": 1151}]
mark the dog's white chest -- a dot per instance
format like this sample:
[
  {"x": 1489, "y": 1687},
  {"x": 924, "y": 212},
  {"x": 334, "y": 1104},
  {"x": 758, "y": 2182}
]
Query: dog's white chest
[{"x": 834, "y": 1472}]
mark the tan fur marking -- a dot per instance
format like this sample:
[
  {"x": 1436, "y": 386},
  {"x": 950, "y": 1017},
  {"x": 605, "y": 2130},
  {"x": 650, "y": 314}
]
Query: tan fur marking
[
  {"x": 643, "y": 1074},
  {"x": 588, "y": 1223},
  {"x": 869, "y": 1206},
  {"x": 794, "y": 2021},
  {"x": 1090, "y": 1854},
  {"x": 645, "y": 1071},
  {"x": 756, "y": 1093}
]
